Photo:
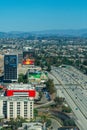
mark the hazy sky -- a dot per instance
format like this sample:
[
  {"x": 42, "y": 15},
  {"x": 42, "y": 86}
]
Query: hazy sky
[{"x": 36, "y": 15}]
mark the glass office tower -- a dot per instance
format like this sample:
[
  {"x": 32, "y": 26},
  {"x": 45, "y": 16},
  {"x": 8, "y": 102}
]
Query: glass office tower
[{"x": 10, "y": 67}]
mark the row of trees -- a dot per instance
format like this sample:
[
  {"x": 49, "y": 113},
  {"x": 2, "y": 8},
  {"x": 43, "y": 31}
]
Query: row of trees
[
  {"x": 45, "y": 60},
  {"x": 50, "y": 86},
  {"x": 69, "y": 122},
  {"x": 44, "y": 118},
  {"x": 13, "y": 124}
]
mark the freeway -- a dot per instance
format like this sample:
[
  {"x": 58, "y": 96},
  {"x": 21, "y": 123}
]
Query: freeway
[{"x": 76, "y": 94}]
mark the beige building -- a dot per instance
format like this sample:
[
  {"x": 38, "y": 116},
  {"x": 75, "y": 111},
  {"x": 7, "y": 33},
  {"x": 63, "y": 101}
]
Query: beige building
[{"x": 12, "y": 107}]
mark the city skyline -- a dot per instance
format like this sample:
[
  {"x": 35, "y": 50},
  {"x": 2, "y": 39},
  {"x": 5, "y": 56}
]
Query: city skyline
[{"x": 38, "y": 15}]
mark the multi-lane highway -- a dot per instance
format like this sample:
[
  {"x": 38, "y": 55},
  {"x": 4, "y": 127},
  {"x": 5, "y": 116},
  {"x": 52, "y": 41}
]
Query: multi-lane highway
[{"x": 73, "y": 84}]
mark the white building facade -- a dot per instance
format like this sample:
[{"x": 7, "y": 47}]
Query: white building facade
[{"x": 14, "y": 107}]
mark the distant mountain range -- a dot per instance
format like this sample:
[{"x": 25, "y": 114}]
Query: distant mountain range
[{"x": 66, "y": 33}]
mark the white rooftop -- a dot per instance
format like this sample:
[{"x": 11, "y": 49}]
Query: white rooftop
[
  {"x": 21, "y": 86},
  {"x": 34, "y": 126},
  {"x": 27, "y": 48}
]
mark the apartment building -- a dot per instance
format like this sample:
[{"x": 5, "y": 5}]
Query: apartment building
[{"x": 12, "y": 107}]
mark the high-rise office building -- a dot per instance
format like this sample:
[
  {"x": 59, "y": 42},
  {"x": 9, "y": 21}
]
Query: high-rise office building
[{"x": 10, "y": 67}]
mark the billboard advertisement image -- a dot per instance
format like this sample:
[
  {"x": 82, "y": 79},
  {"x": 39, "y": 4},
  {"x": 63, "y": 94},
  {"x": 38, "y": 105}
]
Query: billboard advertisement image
[{"x": 28, "y": 62}]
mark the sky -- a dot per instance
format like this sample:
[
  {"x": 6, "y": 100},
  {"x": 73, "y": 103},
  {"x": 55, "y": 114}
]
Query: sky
[{"x": 38, "y": 15}]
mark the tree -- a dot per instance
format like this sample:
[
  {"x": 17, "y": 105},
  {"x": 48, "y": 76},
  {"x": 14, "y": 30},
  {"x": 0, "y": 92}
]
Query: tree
[
  {"x": 22, "y": 78},
  {"x": 43, "y": 118},
  {"x": 85, "y": 70},
  {"x": 5, "y": 129},
  {"x": 59, "y": 101},
  {"x": 15, "y": 123},
  {"x": 35, "y": 113},
  {"x": 50, "y": 86},
  {"x": 85, "y": 62},
  {"x": 66, "y": 109},
  {"x": 48, "y": 122},
  {"x": 69, "y": 122},
  {"x": 49, "y": 67}
]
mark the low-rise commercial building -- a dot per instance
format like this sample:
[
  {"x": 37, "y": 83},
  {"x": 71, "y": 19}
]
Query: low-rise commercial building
[
  {"x": 21, "y": 90},
  {"x": 37, "y": 77},
  {"x": 33, "y": 126}
]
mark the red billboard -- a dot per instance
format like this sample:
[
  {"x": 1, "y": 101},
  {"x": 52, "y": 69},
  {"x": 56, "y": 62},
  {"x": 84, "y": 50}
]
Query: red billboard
[
  {"x": 29, "y": 93},
  {"x": 28, "y": 62}
]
